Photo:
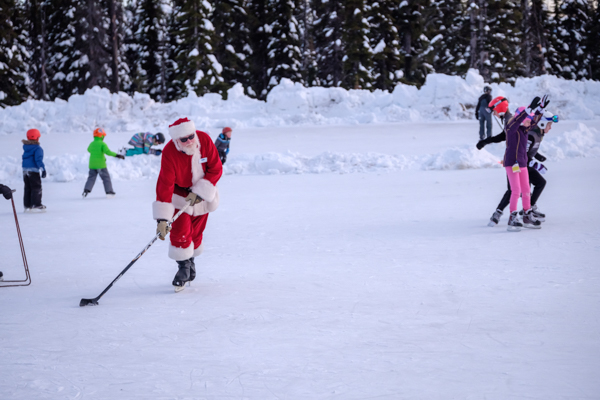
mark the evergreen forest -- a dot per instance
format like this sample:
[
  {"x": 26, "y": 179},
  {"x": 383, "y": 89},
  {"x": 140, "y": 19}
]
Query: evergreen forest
[{"x": 53, "y": 49}]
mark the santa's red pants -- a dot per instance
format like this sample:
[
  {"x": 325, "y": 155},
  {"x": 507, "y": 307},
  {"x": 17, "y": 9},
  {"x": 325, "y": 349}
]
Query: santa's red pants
[{"x": 187, "y": 229}]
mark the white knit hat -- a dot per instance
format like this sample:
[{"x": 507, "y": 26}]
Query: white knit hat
[{"x": 181, "y": 128}]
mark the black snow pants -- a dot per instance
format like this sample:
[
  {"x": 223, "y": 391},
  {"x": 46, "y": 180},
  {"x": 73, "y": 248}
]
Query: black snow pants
[
  {"x": 32, "y": 195},
  {"x": 536, "y": 179}
]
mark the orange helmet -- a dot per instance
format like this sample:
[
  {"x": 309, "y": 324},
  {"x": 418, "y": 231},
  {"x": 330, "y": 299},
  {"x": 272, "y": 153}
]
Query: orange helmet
[
  {"x": 99, "y": 132},
  {"x": 33, "y": 134}
]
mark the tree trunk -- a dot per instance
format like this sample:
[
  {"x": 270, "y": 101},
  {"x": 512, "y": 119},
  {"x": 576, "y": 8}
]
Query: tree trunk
[{"x": 114, "y": 39}]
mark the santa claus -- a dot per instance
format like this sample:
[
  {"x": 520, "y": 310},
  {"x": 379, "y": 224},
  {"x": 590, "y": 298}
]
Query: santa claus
[{"x": 189, "y": 171}]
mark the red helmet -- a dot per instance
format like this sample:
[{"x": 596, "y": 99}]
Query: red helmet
[
  {"x": 499, "y": 104},
  {"x": 33, "y": 134},
  {"x": 99, "y": 132}
]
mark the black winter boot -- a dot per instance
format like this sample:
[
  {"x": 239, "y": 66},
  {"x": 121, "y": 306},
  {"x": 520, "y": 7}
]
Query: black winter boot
[
  {"x": 192, "y": 269},
  {"x": 183, "y": 275}
]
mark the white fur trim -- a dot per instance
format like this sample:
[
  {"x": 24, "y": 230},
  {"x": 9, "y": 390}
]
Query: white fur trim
[
  {"x": 182, "y": 129},
  {"x": 180, "y": 254},
  {"x": 204, "y": 207},
  {"x": 205, "y": 189},
  {"x": 179, "y": 202},
  {"x": 197, "y": 171},
  {"x": 162, "y": 210},
  {"x": 199, "y": 250}
]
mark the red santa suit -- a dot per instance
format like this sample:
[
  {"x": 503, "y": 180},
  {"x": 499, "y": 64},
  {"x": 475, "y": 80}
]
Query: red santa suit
[{"x": 180, "y": 173}]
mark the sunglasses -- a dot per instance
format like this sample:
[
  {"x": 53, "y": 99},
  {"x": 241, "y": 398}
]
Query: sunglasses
[{"x": 185, "y": 139}]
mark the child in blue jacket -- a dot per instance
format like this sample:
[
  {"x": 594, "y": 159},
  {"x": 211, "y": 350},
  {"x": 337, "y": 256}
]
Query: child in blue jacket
[
  {"x": 222, "y": 143},
  {"x": 33, "y": 169}
]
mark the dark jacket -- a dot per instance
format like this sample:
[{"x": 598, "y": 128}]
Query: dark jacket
[
  {"x": 222, "y": 144},
  {"x": 33, "y": 156},
  {"x": 482, "y": 104}
]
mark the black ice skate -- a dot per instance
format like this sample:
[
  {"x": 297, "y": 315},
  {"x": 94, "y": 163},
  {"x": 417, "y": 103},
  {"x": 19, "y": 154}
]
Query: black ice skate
[
  {"x": 192, "y": 269},
  {"x": 183, "y": 275},
  {"x": 85, "y": 193},
  {"x": 38, "y": 209},
  {"x": 495, "y": 218},
  {"x": 514, "y": 224},
  {"x": 529, "y": 220},
  {"x": 537, "y": 214}
]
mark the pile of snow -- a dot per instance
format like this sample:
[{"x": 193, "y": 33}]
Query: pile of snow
[
  {"x": 581, "y": 142},
  {"x": 442, "y": 97}
]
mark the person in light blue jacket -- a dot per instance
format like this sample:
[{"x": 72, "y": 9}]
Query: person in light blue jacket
[{"x": 33, "y": 170}]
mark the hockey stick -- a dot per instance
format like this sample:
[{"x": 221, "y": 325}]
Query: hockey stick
[
  {"x": 27, "y": 275},
  {"x": 94, "y": 301}
]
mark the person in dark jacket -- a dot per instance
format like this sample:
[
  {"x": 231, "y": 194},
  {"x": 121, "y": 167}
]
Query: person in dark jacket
[
  {"x": 484, "y": 114},
  {"x": 33, "y": 170},
  {"x": 535, "y": 168},
  {"x": 222, "y": 144}
]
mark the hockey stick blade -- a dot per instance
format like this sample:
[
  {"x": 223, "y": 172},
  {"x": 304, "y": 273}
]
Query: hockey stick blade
[{"x": 88, "y": 302}]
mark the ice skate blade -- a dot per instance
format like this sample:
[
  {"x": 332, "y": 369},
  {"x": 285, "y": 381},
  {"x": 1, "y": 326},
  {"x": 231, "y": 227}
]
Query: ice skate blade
[
  {"x": 492, "y": 223},
  {"x": 514, "y": 229},
  {"x": 110, "y": 196},
  {"x": 180, "y": 288},
  {"x": 37, "y": 211},
  {"x": 530, "y": 226}
]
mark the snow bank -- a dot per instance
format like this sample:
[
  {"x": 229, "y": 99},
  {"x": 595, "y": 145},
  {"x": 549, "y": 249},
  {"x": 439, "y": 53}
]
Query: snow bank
[
  {"x": 581, "y": 142},
  {"x": 442, "y": 97}
]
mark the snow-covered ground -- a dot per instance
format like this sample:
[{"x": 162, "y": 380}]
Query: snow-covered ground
[{"x": 344, "y": 262}]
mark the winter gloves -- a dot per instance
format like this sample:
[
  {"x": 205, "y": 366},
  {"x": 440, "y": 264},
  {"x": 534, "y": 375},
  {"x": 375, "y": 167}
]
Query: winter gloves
[
  {"x": 120, "y": 156},
  {"x": 193, "y": 198},
  {"x": 43, "y": 173},
  {"x": 156, "y": 152},
  {"x": 162, "y": 229},
  {"x": 5, "y": 191},
  {"x": 480, "y": 145},
  {"x": 538, "y": 105},
  {"x": 538, "y": 166}
]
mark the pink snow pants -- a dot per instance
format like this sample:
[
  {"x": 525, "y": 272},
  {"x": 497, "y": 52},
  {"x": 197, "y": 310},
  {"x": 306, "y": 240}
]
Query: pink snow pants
[{"x": 519, "y": 185}]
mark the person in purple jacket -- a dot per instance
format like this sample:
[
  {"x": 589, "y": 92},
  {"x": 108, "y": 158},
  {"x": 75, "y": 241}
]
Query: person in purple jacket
[{"x": 515, "y": 162}]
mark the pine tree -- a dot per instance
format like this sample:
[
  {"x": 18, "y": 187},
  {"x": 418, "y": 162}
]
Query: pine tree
[
  {"x": 503, "y": 41},
  {"x": 539, "y": 32},
  {"x": 329, "y": 41},
  {"x": 37, "y": 48},
  {"x": 415, "y": 46},
  {"x": 358, "y": 52},
  {"x": 232, "y": 48},
  {"x": 594, "y": 44},
  {"x": 198, "y": 67},
  {"x": 449, "y": 35},
  {"x": 305, "y": 17},
  {"x": 571, "y": 38},
  {"x": 145, "y": 43},
  {"x": 118, "y": 73},
  {"x": 284, "y": 54},
  {"x": 13, "y": 71},
  {"x": 385, "y": 42},
  {"x": 65, "y": 60},
  {"x": 261, "y": 26},
  {"x": 94, "y": 45}
]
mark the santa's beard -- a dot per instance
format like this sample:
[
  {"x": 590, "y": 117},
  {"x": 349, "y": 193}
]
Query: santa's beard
[{"x": 190, "y": 150}]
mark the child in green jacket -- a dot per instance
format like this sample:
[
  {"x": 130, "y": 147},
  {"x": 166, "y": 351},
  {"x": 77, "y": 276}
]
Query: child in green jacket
[{"x": 97, "y": 151}]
